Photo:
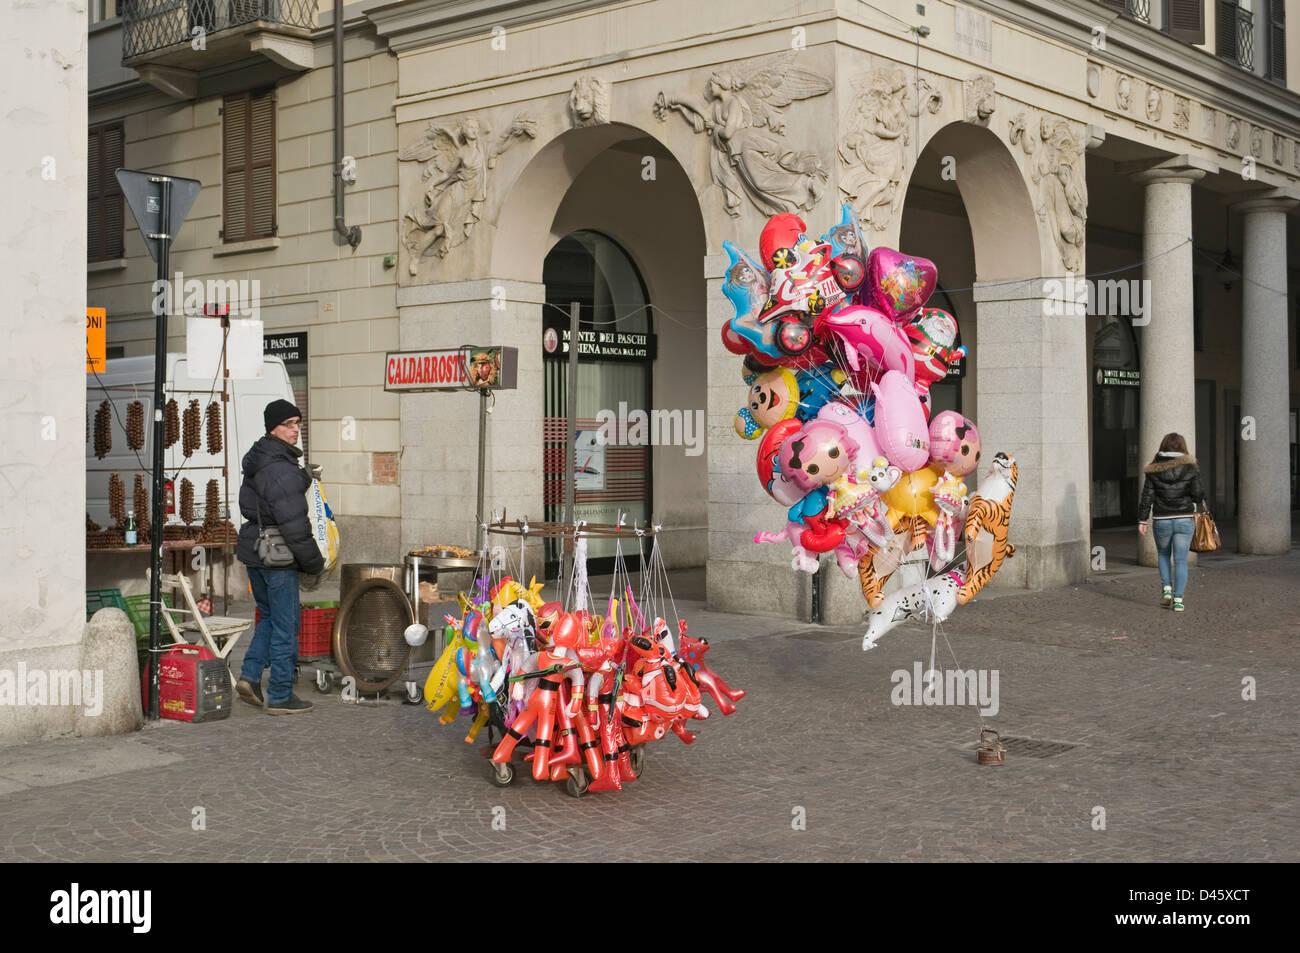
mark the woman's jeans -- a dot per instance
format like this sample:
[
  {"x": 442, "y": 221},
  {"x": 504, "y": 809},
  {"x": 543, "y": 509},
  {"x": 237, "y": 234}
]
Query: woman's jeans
[
  {"x": 1173, "y": 540},
  {"x": 275, "y": 643}
]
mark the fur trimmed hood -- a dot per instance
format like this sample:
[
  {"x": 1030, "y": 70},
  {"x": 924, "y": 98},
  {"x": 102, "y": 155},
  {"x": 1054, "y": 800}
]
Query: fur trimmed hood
[{"x": 1162, "y": 465}]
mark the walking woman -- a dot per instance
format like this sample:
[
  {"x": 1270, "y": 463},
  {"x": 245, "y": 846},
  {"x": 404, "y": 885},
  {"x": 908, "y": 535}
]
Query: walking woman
[{"x": 1170, "y": 494}]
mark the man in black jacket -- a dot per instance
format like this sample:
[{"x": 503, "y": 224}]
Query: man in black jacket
[{"x": 274, "y": 494}]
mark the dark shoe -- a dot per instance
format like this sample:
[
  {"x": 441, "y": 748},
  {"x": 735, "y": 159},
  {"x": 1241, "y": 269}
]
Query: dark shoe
[
  {"x": 291, "y": 707},
  {"x": 250, "y": 693}
]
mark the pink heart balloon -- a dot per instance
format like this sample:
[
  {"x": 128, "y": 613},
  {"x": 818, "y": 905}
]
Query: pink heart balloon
[{"x": 898, "y": 284}]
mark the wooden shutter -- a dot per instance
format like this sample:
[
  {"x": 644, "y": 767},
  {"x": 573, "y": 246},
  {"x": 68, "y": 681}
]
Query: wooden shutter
[
  {"x": 103, "y": 194},
  {"x": 248, "y": 174},
  {"x": 1277, "y": 41},
  {"x": 1187, "y": 20},
  {"x": 1225, "y": 29}
]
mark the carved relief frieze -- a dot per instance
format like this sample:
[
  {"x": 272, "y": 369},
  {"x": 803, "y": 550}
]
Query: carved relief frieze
[{"x": 742, "y": 113}]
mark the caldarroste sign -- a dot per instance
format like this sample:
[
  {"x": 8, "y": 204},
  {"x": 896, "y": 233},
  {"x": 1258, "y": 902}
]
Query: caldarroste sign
[{"x": 468, "y": 367}]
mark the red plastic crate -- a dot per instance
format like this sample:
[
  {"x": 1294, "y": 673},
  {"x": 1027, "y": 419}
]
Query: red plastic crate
[{"x": 316, "y": 629}]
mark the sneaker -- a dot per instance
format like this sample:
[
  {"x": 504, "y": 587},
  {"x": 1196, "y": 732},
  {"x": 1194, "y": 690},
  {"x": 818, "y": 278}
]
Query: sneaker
[
  {"x": 1178, "y": 605},
  {"x": 1167, "y": 596},
  {"x": 250, "y": 693},
  {"x": 290, "y": 707}
]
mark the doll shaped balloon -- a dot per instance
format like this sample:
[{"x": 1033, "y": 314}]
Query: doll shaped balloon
[
  {"x": 812, "y": 458},
  {"x": 949, "y": 496},
  {"x": 954, "y": 443}
]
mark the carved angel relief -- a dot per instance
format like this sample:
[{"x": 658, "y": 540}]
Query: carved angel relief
[
  {"x": 741, "y": 114},
  {"x": 456, "y": 179},
  {"x": 1058, "y": 171},
  {"x": 874, "y": 148}
]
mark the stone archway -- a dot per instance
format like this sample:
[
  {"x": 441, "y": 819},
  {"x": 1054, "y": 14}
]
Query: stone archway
[
  {"x": 595, "y": 179},
  {"x": 1028, "y": 359}
]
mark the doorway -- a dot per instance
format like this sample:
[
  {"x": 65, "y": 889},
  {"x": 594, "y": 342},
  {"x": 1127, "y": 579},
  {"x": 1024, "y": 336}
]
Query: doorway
[{"x": 612, "y": 459}]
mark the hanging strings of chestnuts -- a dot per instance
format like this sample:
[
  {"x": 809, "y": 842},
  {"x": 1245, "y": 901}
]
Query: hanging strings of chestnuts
[
  {"x": 103, "y": 430},
  {"x": 191, "y": 440},
  {"x": 141, "y": 500},
  {"x": 214, "y": 427},
  {"x": 171, "y": 424},
  {"x": 117, "y": 500},
  {"x": 212, "y": 505},
  {"x": 187, "y": 501},
  {"x": 91, "y": 525},
  {"x": 135, "y": 425}
]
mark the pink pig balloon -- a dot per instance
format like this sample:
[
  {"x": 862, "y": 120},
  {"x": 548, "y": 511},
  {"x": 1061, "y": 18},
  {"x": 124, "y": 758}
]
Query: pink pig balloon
[
  {"x": 900, "y": 427},
  {"x": 954, "y": 443}
]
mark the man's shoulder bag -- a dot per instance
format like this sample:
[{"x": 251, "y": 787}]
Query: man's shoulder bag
[{"x": 272, "y": 551}]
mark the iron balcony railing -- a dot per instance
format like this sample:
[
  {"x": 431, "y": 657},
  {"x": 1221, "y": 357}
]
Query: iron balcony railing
[
  {"x": 1140, "y": 10},
  {"x": 150, "y": 25}
]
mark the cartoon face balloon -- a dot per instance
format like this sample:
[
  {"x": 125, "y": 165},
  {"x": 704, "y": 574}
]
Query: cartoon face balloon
[
  {"x": 773, "y": 397},
  {"x": 954, "y": 443},
  {"x": 817, "y": 455},
  {"x": 932, "y": 334}
]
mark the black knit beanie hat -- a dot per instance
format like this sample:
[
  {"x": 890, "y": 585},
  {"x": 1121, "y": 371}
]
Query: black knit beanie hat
[{"x": 277, "y": 412}]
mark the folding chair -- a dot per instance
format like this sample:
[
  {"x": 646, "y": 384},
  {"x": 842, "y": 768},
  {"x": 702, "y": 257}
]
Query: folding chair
[{"x": 220, "y": 633}]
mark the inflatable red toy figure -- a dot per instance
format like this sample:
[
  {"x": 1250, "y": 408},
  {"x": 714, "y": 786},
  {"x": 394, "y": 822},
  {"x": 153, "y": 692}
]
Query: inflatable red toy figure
[
  {"x": 661, "y": 693},
  {"x": 692, "y": 653},
  {"x": 548, "y": 706}
]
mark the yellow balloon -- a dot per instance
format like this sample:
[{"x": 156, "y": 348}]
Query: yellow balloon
[
  {"x": 911, "y": 496},
  {"x": 440, "y": 687}
]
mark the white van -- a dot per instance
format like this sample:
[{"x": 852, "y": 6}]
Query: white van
[{"x": 129, "y": 379}]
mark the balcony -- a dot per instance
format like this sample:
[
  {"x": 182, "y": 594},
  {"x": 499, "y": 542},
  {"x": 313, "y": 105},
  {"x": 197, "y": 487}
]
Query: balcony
[{"x": 170, "y": 43}]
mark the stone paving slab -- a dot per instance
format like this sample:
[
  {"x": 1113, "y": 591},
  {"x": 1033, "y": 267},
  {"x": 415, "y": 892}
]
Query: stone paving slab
[{"x": 1183, "y": 767}]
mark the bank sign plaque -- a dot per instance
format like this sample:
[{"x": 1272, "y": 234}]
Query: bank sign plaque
[
  {"x": 600, "y": 345},
  {"x": 469, "y": 367}
]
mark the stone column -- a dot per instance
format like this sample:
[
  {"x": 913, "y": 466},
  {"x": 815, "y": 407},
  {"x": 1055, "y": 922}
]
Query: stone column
[
  {"x": 1166, "y": 341},
  {"x": 1264, "y": 500},
  {"x": 1030, "y": 366}
]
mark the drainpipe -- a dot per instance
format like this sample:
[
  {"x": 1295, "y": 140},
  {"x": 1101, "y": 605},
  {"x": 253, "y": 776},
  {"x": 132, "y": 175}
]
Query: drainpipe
[{"x": 349, "y": 234}]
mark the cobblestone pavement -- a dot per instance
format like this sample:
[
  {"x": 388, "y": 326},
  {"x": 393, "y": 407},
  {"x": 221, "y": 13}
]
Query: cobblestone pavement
[{"x": 1183, "y": 767}]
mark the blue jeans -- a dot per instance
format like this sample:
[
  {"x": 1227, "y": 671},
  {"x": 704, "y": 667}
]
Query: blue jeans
[
  {"x": 275, "y": 642},
  {"x": 1173, "y": 540}
]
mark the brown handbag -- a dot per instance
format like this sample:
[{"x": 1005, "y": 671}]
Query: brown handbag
[{"x": 1205, "y": 537}]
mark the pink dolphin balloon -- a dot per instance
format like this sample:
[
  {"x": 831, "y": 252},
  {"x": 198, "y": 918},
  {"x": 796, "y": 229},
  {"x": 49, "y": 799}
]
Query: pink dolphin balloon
[
  {"x": 870, "y": 342},
  {"x": 900, "y": 427}
]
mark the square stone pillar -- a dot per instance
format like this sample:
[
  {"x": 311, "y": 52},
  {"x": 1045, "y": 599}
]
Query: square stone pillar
[
  {"x": 1031, "y": 378},
  {"x": 1264, "y": 485},
  {"x": 1167, "y": 403},
  {"x": 743, "y": 576}
]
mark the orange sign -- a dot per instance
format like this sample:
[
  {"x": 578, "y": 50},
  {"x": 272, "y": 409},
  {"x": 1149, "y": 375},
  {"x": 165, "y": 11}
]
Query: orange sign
[{"x": 96, "y": 340}]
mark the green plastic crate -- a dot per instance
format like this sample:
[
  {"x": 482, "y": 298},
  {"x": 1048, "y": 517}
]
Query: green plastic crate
[
  {"x": 137, "y": 610},
  {"x": 97, "y": 599}
]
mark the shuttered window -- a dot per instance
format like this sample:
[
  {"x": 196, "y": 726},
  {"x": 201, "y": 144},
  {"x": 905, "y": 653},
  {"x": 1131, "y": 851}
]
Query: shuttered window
[
  {"x": 248, "y": 166},
  {"x": 1185, "y": 20},
  {"x": 1225, "y": 29},
  {"x": 1277, "y": 41},
  {"x": 103, "y": 194}
]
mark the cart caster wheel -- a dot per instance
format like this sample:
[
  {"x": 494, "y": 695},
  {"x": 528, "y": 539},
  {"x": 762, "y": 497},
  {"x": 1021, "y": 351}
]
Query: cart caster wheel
[
  {"x": 414, "y": 694},
  {"x": 637, "y": 758},
  {"x": 323, "y": 682},
  {"x": 503, "y": 775},
  {"x": 577, "y": 783}
]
